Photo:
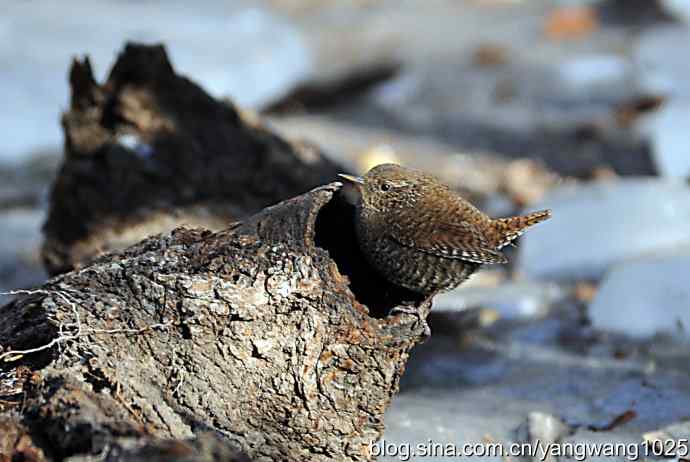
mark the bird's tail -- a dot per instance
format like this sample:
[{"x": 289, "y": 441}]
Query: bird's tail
[{"x": 509, "y": 229}]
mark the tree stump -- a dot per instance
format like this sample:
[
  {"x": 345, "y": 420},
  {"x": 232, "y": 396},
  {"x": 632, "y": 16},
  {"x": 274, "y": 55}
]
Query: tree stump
[
  {"x": 274, "y": 335},
  {"x": 149, "y": 150}
]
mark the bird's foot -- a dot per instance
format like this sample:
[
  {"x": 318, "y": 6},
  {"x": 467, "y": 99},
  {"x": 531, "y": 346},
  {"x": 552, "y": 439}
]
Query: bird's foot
[{"x": 414, "y": 311}]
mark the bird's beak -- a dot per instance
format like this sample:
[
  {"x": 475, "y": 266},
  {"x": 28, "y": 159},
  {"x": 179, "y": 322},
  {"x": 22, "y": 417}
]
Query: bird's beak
[{"x": 355, "y": 180}]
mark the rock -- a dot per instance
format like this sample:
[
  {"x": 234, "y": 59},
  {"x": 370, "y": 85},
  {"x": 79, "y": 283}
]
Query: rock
[
  {"x": 645, "y": 297},
  {"x": 542, "y": 429},
  {"x": 597, "y": 225},
  {"x": 546, "y": 427},
  {"x": 522, "y": 299}
]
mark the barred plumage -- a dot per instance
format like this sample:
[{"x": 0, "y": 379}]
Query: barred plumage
[{"x": 421, "y": 235}]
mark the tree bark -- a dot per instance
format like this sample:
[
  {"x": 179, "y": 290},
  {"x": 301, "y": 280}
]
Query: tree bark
[
  {"x": 274, "y": 335},
  {"x": 149, "y": 150}
]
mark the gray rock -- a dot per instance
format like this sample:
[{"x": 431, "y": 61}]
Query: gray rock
[
  {"x": 542, "y": 429},
  {"x": 645, "y": 297},
  {"x": 597, "y": 225},
  {"x": 546, "y": 427}
]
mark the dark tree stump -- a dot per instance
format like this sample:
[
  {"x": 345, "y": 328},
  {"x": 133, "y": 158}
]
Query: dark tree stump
[
  {"x": 272, "y": 334},
  {"x": 149, "y": 150}
]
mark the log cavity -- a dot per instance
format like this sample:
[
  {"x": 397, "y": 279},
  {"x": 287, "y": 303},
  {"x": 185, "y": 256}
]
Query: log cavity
[{"x": 335, "y": 233}]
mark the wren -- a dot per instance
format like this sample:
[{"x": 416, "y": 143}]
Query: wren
[{"x": 419, "y": 234}]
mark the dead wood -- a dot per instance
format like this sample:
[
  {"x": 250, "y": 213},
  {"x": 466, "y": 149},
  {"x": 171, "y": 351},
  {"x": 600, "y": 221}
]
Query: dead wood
[
  {"x": 149, "y": 150},
  {"x": 273, "y": 335}
]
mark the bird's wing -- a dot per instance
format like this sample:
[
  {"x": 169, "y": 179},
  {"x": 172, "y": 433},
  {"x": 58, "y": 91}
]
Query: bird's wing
[{"x": 459, "y": 241}]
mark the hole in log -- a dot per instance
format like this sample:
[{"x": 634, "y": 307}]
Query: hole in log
[{"x": 335, "y": 233}]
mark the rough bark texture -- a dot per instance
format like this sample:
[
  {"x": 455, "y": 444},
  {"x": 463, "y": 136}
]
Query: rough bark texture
[
  {"x": 149, "y": 150},
  {"x": 272, "y": 334}
]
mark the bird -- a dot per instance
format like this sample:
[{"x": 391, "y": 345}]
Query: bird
[{"x": 419, "y": 234}]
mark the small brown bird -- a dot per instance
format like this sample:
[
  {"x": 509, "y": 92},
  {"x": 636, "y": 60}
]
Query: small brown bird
[{"x": 419, "y": 234}]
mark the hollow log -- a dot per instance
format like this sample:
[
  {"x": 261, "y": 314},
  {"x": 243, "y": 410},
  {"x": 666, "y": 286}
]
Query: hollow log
[
  {"x": 149, "y": 150},
  {"x": 274, "y": 335}
]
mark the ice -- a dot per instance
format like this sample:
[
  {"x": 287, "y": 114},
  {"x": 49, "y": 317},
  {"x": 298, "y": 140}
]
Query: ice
[
  {"x": 597, "y": 225},
  {"x": 645, "y": 297}
]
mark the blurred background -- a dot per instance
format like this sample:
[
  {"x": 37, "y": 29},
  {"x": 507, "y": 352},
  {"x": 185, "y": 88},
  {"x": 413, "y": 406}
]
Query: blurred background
[{"x": 579, "y": 106}]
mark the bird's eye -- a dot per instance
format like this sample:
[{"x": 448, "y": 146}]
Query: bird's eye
[{"x": 385, "y": 187}]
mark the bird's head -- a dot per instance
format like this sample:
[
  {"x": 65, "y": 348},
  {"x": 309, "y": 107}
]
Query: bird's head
[{"x": 387, "y": 187}]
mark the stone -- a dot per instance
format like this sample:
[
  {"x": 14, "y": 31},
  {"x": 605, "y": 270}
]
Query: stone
[
  {"x": 542, "y": 429},
  {"x": 597, "y": 225},
  {"x": 546, "y": 427},
  {"x": 644, "y": 297}
]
